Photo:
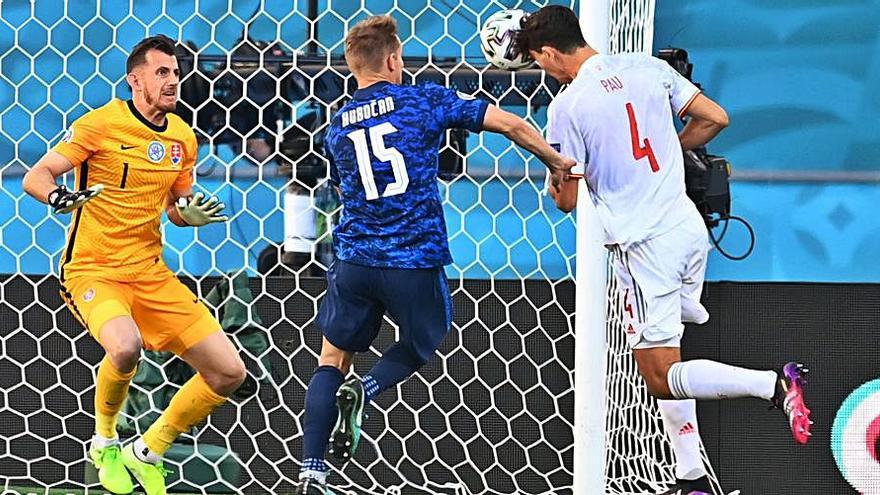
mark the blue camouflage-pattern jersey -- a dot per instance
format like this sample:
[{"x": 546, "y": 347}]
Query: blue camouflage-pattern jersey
[{"x": 392, "y": 216}]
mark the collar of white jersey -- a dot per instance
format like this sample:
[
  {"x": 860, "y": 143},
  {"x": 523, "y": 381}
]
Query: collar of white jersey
[{"x": 589, "y": 64}]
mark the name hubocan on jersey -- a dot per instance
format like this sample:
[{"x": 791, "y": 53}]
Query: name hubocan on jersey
[{"x": 383, "y": 148}]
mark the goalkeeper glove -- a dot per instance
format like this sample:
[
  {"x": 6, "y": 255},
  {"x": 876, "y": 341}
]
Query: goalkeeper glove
[
  {"x": 198, "y": 211},
  {"x": 63, "y": 201}
]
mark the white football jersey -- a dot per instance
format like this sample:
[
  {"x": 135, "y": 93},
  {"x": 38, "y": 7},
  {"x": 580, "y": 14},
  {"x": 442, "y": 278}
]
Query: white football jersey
[{"x": 616, "y": 117}]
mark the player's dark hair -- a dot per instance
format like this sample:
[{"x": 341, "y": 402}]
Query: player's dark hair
[
  {"x": 553, "y": 25},
  {"x": 370, "y": 41},
  {"x": 138, "y": 54}
]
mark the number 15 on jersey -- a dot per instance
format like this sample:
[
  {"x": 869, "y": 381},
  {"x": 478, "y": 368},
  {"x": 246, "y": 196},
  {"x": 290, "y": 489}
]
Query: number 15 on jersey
[{"x": 382, "y": 153}]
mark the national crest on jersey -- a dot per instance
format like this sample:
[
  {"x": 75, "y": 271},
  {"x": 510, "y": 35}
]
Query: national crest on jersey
[
  {"x": 176, "y": 154},
  {"x": 383, "y": 148},
  {"x": 156, "y": 151}
]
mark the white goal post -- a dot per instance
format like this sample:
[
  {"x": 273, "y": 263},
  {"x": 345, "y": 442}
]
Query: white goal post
[{"x": 590, "y": 307}]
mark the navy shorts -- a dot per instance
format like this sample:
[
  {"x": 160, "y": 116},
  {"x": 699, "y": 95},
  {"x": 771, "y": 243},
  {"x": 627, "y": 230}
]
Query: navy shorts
[{"x": 357, "y": 296}]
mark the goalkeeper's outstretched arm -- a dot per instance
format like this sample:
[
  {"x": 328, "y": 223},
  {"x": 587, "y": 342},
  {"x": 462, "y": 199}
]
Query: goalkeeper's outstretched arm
[
  {"x": 40, "y": 179},
  {"x": 40, "y": 182}
]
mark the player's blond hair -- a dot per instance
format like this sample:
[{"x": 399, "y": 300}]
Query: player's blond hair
[{"x": 370, "y": 41}]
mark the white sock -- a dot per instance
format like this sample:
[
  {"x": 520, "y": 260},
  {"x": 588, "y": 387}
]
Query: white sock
[
  {"x": 711, "y": 380},
  {"x": 100, "y": 442},
  {"x": 143, "y": 453},
  {"x": 319, "y": 476},
  {"x": 680, "y": 422}
]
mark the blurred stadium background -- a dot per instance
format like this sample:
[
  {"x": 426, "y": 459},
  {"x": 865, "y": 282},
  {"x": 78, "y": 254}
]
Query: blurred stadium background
[{"x": 494, "y": 415}]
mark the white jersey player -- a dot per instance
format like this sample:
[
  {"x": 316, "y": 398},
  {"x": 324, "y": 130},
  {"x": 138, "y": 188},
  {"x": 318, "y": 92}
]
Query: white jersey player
[
  {"x": 617, "y": 117},
  {"x": 637, "y": 199}
]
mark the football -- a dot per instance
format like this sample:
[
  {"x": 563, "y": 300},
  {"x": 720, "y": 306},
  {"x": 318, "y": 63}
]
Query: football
[{"x": 498, "y": 40}]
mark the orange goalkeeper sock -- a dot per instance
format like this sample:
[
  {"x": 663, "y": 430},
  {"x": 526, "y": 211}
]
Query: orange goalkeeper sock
[
  {"x": 111, "y": 388},
  {"x": 189, "y": 406}
]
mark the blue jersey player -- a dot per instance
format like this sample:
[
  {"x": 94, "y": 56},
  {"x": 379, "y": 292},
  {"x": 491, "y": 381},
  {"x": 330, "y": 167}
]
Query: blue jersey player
[{"x": 391, "y": 242}]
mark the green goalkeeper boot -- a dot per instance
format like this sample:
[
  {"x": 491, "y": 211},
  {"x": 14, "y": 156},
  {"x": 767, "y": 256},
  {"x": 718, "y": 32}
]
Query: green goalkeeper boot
[
  {"x": 111, "y": 470},
  {"x": 150, "y": 476},
  {"x": 346, "y": 434}
]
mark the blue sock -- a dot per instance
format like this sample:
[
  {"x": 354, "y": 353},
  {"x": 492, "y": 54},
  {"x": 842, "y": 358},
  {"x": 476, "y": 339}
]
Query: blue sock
[
  {"x": 396, "y": 365},
  {"x": 371, "y": 386},
  {"x": 320, "y": 416}
]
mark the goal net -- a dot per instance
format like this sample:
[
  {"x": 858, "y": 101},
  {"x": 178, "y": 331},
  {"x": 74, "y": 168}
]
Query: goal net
[{"x": 491, "y": 413}]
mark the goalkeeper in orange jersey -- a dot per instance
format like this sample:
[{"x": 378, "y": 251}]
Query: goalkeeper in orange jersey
[{"x": 133, "y": 160}]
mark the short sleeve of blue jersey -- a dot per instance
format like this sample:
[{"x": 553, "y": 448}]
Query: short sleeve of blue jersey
[
  {"x": 334, "y": 172},
  {"x": 329, "y": 142},
  {"x": 456, "y": 110}
]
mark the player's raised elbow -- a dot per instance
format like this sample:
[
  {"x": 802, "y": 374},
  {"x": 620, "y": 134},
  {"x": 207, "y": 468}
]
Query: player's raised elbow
[
  {"x": 715, "y": 121},
  {"x": 721, "y": 119},
  {"x": 40, "y": 179},
  {"x": 708, "y": 112},
  {"x": 27, "y": 182},
  {"x": 33, "y": 180}
]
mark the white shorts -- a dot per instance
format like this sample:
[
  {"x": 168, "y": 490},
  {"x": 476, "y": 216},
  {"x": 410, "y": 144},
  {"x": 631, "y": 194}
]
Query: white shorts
[{"x": 659, "y": 283}]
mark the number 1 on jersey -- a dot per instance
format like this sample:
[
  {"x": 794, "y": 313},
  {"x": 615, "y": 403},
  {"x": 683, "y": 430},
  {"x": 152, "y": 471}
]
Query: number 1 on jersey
[
  {"x": 365, "y": 165},
  {"x": 643, "y": 149}
]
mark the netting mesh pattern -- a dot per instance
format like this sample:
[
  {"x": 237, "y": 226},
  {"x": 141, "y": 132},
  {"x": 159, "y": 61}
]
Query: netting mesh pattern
[
  {"x": 260, "y": 83},
  {"x": 491, "y": 414},
  {"x": 631, "y": 26},
  {"x": 639, "y": 458}
]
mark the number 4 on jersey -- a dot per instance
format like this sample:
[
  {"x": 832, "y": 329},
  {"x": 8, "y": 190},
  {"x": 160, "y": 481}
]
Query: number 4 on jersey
[{"x": 643, "y": 149}]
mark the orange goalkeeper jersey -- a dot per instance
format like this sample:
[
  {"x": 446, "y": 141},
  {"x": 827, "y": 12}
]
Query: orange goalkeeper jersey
[{"x": 139, "y": 164}]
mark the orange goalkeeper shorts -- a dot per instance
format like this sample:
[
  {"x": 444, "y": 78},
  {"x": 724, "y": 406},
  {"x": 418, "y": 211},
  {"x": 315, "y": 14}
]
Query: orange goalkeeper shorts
[{"x": 169, "y": 316}]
